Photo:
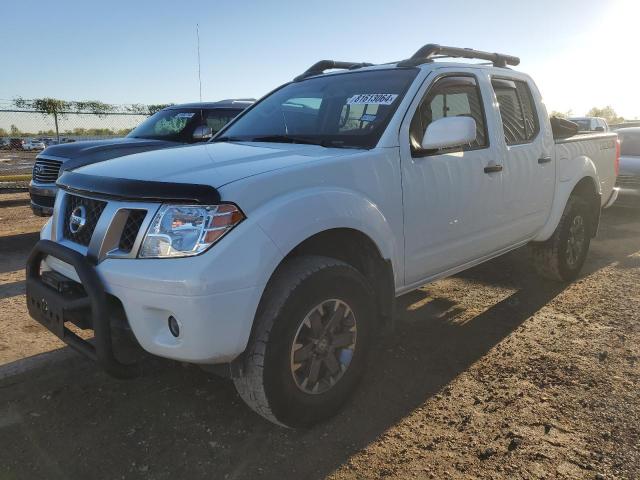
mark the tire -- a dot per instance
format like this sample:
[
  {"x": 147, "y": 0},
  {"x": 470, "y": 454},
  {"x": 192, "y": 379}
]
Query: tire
[
  {"x": 271, "y": 382},
  {"x": 560, "y": 258}
]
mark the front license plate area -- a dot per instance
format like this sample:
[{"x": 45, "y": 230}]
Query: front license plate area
[{"x": 46, "y": 306}]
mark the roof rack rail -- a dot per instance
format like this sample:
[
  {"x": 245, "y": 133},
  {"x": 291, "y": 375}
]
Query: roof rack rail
[
  {"x": 432, "y": 50},
  {"x": 319, "y": 68}
]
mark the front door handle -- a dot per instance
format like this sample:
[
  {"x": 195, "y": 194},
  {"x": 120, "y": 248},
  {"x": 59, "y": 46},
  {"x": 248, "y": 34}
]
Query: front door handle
[
  {"x": 492, "y": 168},
  {"x": 544, "y": 160}
]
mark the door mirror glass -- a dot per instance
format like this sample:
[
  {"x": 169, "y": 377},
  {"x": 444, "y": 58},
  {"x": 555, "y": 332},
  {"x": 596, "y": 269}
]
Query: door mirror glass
[
  {"x": 203, "y": 132},
  {"x": 449, "y": 132}
]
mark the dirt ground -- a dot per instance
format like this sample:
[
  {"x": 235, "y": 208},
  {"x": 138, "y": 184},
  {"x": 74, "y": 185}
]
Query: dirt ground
[
  {"x": 21, "y": 337},
  {"x": 490, "y": 374}
]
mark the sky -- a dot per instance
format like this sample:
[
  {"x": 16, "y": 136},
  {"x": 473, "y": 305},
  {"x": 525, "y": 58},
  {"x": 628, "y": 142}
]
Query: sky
[{"x": 580, "y": 52}]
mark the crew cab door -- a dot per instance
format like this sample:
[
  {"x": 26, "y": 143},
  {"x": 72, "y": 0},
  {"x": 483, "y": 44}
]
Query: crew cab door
[
  {"x": 453, "y": 199},
  {"x": 528, "y": 156}
]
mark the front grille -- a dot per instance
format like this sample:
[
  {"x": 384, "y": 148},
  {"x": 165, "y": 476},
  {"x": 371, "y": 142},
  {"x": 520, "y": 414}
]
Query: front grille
[
  {"x": 131, "y": 229},
  {"x": 46, "y": 171},
  {"x": 43, "y": 200},
  {"x": 92, "y": 210},
  {"x": 631, "y": 181}
]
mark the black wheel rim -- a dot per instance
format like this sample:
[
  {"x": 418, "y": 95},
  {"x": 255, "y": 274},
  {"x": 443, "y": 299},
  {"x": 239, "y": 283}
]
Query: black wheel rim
[
  {"x": 575, "y": 241},
  {"x": 323, "y": 346}
]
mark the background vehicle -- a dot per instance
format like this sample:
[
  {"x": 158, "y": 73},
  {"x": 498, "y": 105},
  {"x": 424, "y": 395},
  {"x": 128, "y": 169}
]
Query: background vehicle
[
  {"x": 33, "y": 145},
  {"x": 275, "y": 253},
  {"x": 4, "y": 144},
  {"x": 591, "y": 124},
  {"x": 629, "y": 177},
  {"x": 48, "y": 141},
  {"x": 16, "y": 143},
  {"x": 170, "y": 127}
]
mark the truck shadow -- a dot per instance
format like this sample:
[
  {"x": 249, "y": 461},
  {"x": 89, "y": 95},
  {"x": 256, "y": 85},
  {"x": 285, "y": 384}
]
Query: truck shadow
[
  {"x": 179, "y": 422},
  {"x": 182, "y": 422}
]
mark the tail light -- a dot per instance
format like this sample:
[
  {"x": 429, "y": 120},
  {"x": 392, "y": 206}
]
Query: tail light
[{"x": 617, "y": 162}]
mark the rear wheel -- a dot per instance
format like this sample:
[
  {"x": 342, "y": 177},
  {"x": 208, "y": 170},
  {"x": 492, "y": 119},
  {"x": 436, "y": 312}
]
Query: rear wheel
[
  {"x": 310, "y": 342},
  {"x": 563, "y": 255}
]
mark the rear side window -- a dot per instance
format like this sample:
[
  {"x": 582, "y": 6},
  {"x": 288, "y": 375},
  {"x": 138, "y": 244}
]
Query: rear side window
[
  {"x": 517, "y": 109},
  {"x": 452, "y": 96}
]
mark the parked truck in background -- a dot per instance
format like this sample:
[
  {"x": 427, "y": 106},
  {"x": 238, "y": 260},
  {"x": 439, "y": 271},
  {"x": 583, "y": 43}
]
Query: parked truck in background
[
  {"x": 629, "y": 179},
  {"x": 177, "y": 125},
  {"x": 274, "y": 254}
]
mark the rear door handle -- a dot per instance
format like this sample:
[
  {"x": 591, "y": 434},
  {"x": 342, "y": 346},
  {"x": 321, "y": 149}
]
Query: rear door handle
[
  {"x": 492, "y": 168},
  {"x": 544, "y": 160}
]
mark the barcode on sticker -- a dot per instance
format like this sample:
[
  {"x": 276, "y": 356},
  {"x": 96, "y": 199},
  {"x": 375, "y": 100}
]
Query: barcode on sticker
[
  {"x": 185, "y": 115},
  {"x": 372, "y": 99}
]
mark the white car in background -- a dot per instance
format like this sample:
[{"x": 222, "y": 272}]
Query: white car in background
[{"x": 33, "y": 145}]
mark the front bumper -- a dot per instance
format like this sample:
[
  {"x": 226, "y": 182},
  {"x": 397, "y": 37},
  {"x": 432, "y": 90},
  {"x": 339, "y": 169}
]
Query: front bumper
[
  {"x": 213, "y": 296},
  {"x": 43, "y": 196},
  {"x": 629, "y": 186}
]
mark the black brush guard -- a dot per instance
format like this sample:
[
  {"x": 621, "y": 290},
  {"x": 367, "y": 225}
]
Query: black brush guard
[{"x": 53, "y": 308}]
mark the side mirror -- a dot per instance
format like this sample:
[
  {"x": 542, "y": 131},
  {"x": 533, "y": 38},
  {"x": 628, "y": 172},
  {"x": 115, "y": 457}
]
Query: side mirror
[
  {"x": 449, "y": 132},
  {"x": 599, "y": 129},
  {"x": 202, "y": 132}
]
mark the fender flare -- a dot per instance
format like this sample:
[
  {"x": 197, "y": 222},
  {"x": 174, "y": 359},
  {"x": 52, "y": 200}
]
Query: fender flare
[{"x": 292, "y": 218}]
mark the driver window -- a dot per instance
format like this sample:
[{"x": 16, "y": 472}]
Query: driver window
[{"x": 450, "y": 97}]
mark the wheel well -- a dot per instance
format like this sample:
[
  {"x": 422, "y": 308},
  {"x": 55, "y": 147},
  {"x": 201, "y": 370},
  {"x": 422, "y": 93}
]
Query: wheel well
[
  {"x": 586, "y": 189},
  {"x": 359, "y": 251}
]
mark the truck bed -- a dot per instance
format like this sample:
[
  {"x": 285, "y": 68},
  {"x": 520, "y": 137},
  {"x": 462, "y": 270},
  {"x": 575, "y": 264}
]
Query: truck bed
[{"x": 598, "y": 148}]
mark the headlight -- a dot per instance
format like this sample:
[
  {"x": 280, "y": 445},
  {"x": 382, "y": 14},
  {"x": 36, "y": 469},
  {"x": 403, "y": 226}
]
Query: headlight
[{"x": 185, "y": 230}]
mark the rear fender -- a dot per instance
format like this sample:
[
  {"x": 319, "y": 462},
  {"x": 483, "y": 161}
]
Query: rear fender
[{"x": 570, "y": 173}]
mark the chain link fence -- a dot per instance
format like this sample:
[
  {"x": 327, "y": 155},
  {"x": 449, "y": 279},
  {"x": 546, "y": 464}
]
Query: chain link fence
[{"x": 24, "y": 132}]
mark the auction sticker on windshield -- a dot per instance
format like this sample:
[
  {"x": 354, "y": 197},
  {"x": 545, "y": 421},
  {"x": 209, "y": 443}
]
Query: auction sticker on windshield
[
  {"x": 185, "y": 115},
  {"x": 372, "y": 99}
]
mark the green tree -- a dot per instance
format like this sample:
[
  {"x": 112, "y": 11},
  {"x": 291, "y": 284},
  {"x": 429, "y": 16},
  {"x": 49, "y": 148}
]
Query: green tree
[
  {"x": 141, "y": 109},
  {"x": 46, "y": 106},
  {"x": 92, "y": 106},
  {"x": 566, "y": 114},
  {"x": 608, "y": 113},
  {"x": 15, "y": 131},
  {"x": 157, "y": 107}
]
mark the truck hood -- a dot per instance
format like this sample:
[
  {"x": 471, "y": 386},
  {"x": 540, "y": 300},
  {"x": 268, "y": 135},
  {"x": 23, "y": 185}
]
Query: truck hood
[
  {"x": 630, "y": 165},
  {"x": 213, "y": 164},
  {"x": 78, "y": 154}
]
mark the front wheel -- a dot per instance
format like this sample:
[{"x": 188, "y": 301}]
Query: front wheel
[
  {"x": 563, "y": 255},
  {"x": 310, "y": 342}
]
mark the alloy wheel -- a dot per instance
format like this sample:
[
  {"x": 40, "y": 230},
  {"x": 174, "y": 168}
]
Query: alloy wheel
[{"x": 323, "y": 346}]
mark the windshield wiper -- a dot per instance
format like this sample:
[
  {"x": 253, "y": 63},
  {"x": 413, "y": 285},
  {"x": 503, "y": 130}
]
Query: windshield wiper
[
  {"x": 229, "y": 139},
  {"x": 287, "y": 139}
]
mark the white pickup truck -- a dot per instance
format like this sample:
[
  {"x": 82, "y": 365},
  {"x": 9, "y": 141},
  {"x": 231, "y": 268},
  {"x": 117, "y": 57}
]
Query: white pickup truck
[{"x": 276, "y": 251}]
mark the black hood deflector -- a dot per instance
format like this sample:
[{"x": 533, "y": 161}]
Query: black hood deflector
[{"x": 138, "y": 190}]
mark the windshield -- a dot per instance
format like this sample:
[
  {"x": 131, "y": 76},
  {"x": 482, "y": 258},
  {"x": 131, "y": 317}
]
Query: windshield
[
  {"x": 342, "y": 110},
  {"x": 629, "y": 143},
  {"x": 178, "y": 124}
]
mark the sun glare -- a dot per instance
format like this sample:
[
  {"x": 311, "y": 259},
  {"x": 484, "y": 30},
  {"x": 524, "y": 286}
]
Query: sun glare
[{"x": 597, "y": 68}]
